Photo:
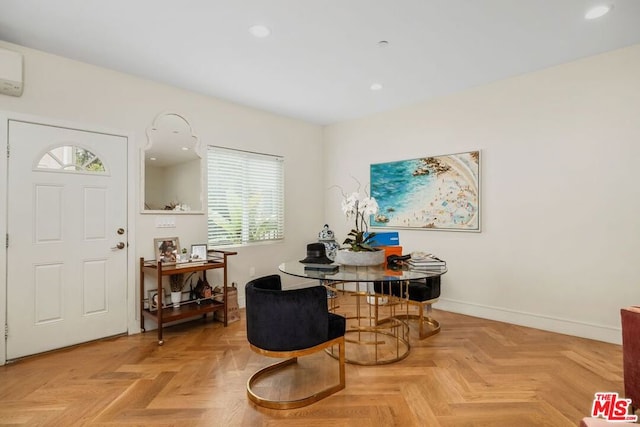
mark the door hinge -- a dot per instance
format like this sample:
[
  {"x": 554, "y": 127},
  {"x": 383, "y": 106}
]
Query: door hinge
[
  {"x": 6, "y": 244},
  {"x": 8, "y": 151},
  {"x": 6, "y": 331}
]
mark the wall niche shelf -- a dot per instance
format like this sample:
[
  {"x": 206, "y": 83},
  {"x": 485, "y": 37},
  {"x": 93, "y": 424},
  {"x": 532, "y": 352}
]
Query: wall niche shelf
[{"x": 172, "y": 168}]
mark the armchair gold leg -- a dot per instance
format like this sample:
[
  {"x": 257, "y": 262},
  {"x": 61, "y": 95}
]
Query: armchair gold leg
[
  {"x": 427, "y": 325},
  {"x": 297, "y": 403}
]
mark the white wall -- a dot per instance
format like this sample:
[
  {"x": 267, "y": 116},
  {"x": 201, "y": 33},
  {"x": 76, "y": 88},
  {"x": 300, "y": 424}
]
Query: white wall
[
  {"x": 559, "y": 243},
  {"x": 560, "y": 196},
  {"x": 154, "y": 187},
  {"x": 62, "y": 89},
  {"x": 180, "y": 184}
]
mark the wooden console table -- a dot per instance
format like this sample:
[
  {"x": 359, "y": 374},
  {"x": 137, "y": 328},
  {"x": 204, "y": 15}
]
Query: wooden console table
[{"x": 165, "y": 314}]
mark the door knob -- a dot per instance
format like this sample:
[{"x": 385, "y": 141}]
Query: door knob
[{"x": 120, "y": 245}]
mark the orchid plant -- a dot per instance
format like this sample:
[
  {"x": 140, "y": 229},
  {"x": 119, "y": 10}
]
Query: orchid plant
[{"x": 359, "y": 209}]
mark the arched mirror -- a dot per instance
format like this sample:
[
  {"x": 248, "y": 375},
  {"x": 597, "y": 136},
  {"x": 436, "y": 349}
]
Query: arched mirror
[{"x": 172, "y": 169}]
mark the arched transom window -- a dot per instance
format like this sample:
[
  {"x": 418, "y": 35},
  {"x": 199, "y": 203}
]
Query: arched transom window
[{"x": 71, "y": 158}]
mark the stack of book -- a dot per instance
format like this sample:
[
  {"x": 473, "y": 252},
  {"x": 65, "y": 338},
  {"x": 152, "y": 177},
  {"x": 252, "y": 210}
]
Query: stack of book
[{"x": 426, "y": 262}]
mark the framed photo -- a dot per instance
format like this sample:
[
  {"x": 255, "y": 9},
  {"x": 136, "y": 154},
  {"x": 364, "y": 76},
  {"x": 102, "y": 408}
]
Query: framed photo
[
  {"x": 428, "y": 193},
  {"x": 199, "y": 252},
  {"x": 154, "y": 300},
  {"x": 166, "y": 249}
]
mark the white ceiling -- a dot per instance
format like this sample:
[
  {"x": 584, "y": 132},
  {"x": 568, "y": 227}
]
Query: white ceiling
[{"x": 322, "y": 55}]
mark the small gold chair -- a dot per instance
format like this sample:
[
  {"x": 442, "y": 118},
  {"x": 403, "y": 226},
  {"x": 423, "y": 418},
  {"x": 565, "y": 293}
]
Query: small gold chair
[
  {"x": 421, "y": 293},
  {"x": 290, "y": 324}
]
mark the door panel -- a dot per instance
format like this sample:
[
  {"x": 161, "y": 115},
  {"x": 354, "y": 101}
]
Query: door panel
[
  {"x": 48, "y": 293},
  {"x": 65, "y": 283},
  {"x": 95, "y": 206},
  {"x": 95, "y": 291},
  {"x": 48, "y": 213}
]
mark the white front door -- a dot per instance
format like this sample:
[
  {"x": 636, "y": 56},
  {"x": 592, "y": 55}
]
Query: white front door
[{"x": 67, "y": 230}]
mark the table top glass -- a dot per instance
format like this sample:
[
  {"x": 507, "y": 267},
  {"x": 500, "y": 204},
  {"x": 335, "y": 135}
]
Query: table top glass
[{"x": 357, "y": 274}]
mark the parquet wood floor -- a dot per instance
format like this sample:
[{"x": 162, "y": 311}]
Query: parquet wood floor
[{"x": 474, "y": 373}]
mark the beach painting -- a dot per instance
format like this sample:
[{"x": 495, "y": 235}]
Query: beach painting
[{"x": 428, "y": 193}]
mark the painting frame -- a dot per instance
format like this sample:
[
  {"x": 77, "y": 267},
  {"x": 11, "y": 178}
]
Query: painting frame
[
  {"x": 440, "y": 193},
  {"x": 152, "y": 299},
  {"x": 199, "y": 252},
  {"x": 166, "y": 249}
]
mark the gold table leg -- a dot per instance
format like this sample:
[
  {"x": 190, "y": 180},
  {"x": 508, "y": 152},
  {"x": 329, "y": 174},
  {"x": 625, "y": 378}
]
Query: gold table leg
[{"x": 376, "y": 342}]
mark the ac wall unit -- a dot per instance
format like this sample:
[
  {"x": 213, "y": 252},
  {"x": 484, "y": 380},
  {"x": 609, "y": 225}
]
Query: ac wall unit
[{"x": 10, "y": 73}]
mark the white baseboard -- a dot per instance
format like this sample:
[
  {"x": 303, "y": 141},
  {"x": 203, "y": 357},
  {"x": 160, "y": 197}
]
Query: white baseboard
[
  {"x": 532, "y": 320},
  {"x": 548, "y": 323}
]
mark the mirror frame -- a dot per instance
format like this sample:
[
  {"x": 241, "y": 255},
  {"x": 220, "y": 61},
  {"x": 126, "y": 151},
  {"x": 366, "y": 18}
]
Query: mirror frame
[{"x": 197, "y": 149}]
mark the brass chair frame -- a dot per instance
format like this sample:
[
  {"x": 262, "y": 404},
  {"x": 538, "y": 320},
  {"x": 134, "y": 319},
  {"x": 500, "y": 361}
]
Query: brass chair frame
[
  {"x": 291, "y": 358},
  {"x": 427, "y": 325}
]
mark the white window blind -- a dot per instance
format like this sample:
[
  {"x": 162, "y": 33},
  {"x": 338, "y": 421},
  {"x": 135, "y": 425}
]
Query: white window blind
[{"x": 245, "y": 197}]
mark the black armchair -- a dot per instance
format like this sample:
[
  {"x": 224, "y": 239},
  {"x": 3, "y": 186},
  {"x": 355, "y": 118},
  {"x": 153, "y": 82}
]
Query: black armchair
[{"x": 289, "y": 324}]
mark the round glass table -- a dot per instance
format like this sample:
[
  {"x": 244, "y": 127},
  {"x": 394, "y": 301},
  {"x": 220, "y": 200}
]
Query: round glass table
[
  {"x": 376, "y": 321},
  {"x": 347, "y": 273}
]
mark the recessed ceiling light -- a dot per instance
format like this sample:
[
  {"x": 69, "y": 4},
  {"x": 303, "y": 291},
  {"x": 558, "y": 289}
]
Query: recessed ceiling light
[
  {"x": 259, "y": 31},
  {"x": 376, "y": 86},
  {"x": 185, "y": 148},
  {"x": 152, "y": 158},
  {"x": 597, "y": 12}
]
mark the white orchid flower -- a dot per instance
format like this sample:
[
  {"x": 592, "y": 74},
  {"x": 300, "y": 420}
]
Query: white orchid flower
[
  {"x": 359, "y": 210},
  {"x": 368, "y": 206},
  {"x": 350, "y": 205}
]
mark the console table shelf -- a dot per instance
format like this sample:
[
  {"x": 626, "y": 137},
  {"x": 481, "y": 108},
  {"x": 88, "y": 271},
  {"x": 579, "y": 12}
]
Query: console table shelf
[{"x": 216, "y": 260}]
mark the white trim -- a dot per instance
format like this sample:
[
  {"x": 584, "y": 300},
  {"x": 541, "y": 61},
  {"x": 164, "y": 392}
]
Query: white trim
[
  {"x": 3, "y": 232},
  {"x": 133, "y": 325},
  {"x": 133, "y": 201},
  {"x": 548, "y": 323}
]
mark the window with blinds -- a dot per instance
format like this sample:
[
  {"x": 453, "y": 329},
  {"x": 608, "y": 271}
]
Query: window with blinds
[{"x": 245, "y": 197}]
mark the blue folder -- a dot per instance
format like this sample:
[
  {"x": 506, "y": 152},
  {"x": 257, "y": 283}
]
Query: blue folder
[{"x": 387, "y": 238}]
